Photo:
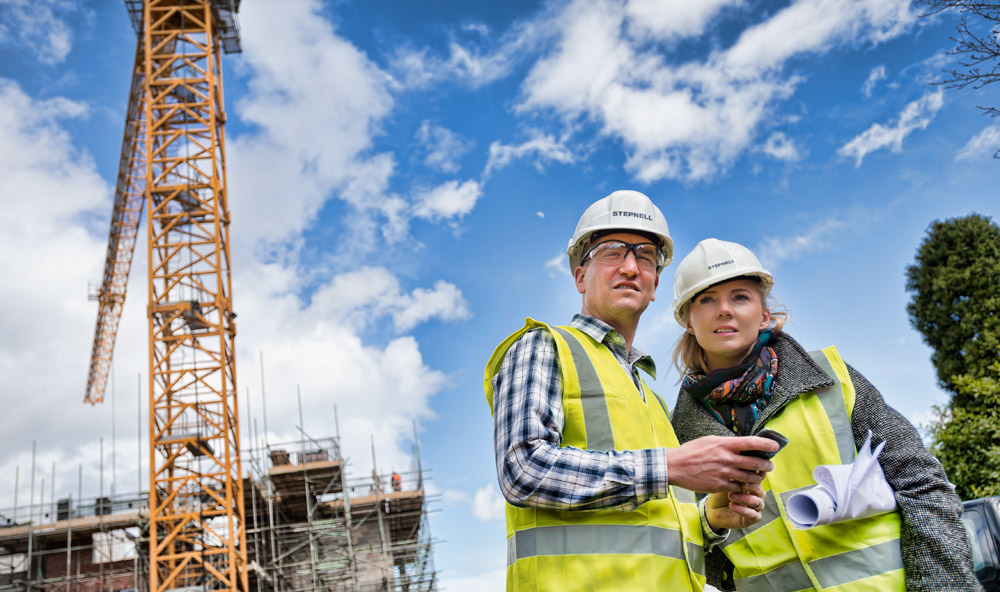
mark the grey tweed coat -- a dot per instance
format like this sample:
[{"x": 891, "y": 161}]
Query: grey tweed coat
[{"x": 936, "y": 553}]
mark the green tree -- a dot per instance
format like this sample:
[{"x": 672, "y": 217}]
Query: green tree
[
  {"x": 955, "y": 298},
  {"x": 967, "y": 439}
]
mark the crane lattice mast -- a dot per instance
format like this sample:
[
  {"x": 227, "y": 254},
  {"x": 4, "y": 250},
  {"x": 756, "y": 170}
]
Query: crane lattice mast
[{"x": 173, "y": 164}]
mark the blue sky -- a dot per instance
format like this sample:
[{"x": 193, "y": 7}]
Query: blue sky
[{"x": 404, "y": 178}]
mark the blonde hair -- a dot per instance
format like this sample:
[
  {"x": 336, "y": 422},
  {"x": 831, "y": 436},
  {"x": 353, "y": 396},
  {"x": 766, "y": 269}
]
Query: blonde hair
[{"x": 689, "y": 357}]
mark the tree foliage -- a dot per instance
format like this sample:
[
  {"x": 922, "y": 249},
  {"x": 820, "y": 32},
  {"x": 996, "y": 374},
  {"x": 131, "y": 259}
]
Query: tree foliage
[
  {"x": 955, "y": 298},
  {"x": 966, "y": 439}
]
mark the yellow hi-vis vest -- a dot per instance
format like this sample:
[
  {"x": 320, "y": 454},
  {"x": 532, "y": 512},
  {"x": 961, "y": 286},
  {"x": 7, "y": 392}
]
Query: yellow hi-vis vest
[
  {"x": 658, "y": 546},
  {"x": 854, "y": 555}
]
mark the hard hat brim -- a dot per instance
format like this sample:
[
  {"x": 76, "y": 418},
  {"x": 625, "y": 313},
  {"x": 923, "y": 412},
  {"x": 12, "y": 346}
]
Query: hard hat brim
[
  {"x": 681, "y": 310},
  {"x": 623, "y": 211}
]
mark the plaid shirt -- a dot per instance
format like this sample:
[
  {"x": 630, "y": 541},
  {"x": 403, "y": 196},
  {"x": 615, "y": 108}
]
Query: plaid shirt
[{"x": 527, "y": 430}]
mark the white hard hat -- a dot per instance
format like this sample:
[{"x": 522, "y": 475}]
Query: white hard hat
[
  {"x": 711, "y": 262},
  {"x": 624, "y": 210}
]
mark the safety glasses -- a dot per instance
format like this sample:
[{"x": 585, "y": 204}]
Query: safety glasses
[{"x": 648, "y": 256}]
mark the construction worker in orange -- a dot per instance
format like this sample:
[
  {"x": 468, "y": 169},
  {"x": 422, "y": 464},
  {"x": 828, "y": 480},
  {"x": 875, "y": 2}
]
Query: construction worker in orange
[
  {"x": 599, "y": 492},
  {"x": 397, "y": 481}
]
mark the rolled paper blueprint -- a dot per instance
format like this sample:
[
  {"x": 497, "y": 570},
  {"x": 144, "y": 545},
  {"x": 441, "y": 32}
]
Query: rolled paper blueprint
[
  {"x": 844, "y": 492},
  {"x": 811, "y": 507}
]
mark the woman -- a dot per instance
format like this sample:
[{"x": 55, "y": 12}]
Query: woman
[{"x": 742, "y": 374}]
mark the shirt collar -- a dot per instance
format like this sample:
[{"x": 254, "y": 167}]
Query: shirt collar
[{"x": 605, "y": 333}]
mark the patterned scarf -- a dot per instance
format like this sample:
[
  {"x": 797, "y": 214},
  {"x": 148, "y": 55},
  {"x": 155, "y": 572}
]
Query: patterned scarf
[{"x": 736, "y": 396}]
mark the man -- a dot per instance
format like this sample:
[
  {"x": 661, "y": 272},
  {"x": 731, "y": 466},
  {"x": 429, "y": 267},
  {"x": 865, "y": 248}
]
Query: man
[{"x": 586, "y": 457}]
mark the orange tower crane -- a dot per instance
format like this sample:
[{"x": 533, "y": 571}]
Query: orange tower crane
[{"x": 173, "y": 168}]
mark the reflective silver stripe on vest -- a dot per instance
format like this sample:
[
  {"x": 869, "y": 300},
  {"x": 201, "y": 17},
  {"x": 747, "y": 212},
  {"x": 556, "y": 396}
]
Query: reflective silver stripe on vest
[
  {"x": 662, "y": 404},
  {"x": 602, "y": 539},
  {"x": 683, "y": 495},
  {"x": 835, "y": 570},
  {"x": 597, "y": 420},
  {"x": 836, "y": 409},
  {"x": 787, "y": 578},
  {"x": 696, "y": 558}
]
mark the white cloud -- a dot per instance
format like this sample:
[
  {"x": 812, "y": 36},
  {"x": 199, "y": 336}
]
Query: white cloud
[
  {"x": 312, "y": 134},
  {"x": 359, "y": 297},
  {"x": 982, "y": 145},
  {"x": 689, "y": 121},
  {"x": 877, "y": 73},
  {"x": 455, "y": 497},
  {"x": 487, "y": 505},
  {"x": 603, "y": 62},
  {"x": 540, "y": 214},
  {"x": 51, "y": 196},
  {"x": 588, "y": 60},
  {"x": 544, "y": 147},
  {"x": 418, "y": 68},
  {"x": 443, "y": 146},
  {"x": 557, "y": 266},
  {"x": 35, "y": 25},
  {"x": 929, "y": 69},
  {"x": 50, "y": 190},
  {"x": 321, "y": 346},
  {"x": 445, "y": 302},
  {"x": 297, "y": 114},
  {"x": 377, "y": 390},
  {"x": 816, "y": 26},
  {"x": 478, "y": 28},
  {"x": 666, "y": 19},
  {"x": 448, "y": 200},
  {"x": 825, "y": 235},
  {"x": 781, "y": 147},
  {"x": 917, "y": 115},
  {"x": 493, "y": 581},
  {"x": 41, "y": 163},
  {"x": 774, "y": 250}
]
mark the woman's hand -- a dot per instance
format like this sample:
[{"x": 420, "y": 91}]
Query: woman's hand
[{"x": 735, "y": 510}]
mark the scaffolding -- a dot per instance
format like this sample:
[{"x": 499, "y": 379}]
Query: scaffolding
[
  {"x": 310, "y": 526},
  {"x": 82, "y": 545}
]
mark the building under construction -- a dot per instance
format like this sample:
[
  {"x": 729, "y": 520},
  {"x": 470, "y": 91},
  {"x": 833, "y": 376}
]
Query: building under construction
[
  {"x": 214, "y": 517},
  {"x": 309, "y": 526}
]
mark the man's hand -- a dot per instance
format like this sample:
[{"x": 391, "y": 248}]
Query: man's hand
[
  {"x": 735, "y": 510},
  {"x": 714, "y": 464}
]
